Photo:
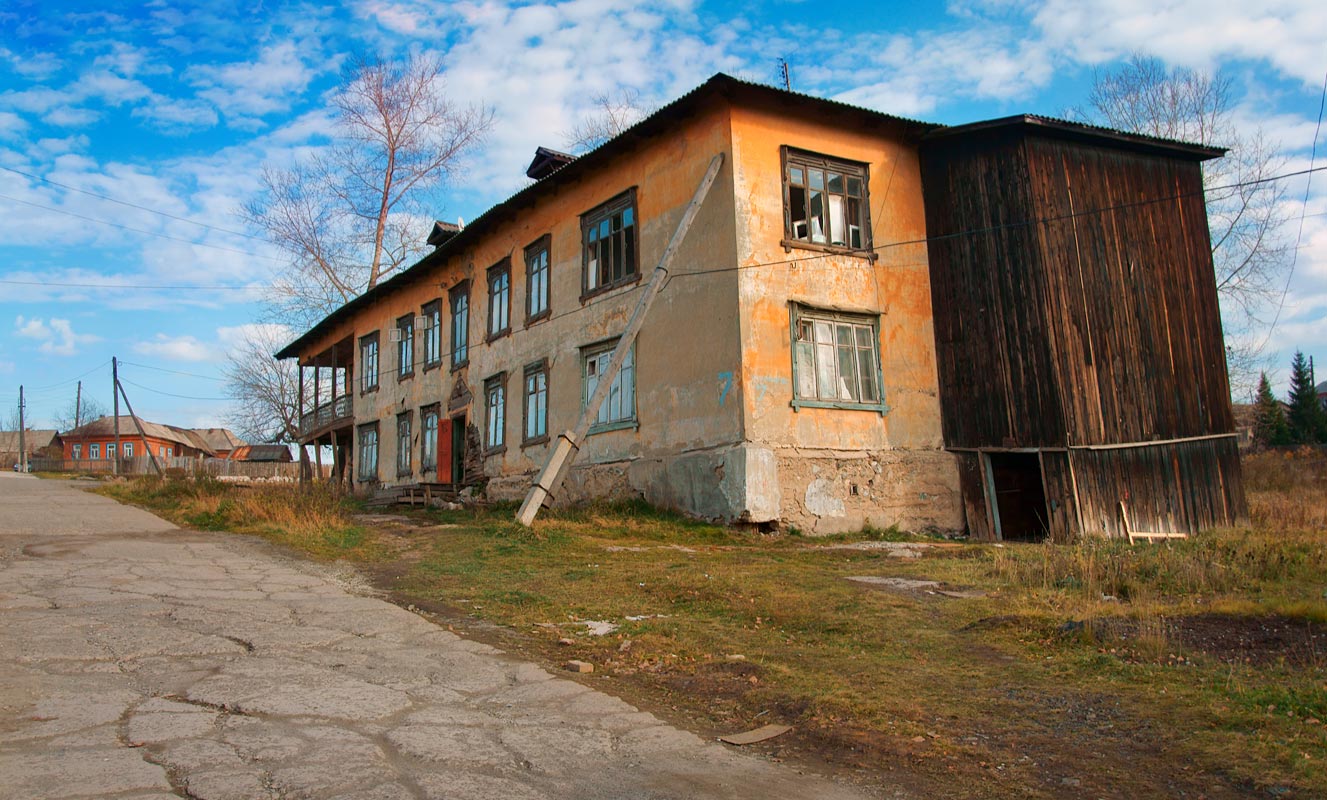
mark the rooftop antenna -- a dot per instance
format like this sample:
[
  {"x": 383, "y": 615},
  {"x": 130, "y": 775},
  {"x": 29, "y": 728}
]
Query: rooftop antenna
[
  {"x": 460, "y": 222},
  {"x": 785, "y": 74}
]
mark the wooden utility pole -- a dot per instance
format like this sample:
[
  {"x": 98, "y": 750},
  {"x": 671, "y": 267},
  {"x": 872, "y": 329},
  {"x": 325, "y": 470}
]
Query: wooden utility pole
[
  {"x": 22, "y": 436},
  {"x": 568, "y": 443},
  {"x": 78, "y": 404},
  {"x": 115, "y": 396}
]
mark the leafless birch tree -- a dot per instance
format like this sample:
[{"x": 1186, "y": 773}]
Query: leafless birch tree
[
  {"x": 612, "y": 114},
  {"x": 1250, "y": 251},
  {"x": 354, "y": 213},
  {"x": 265, "y": 391}
]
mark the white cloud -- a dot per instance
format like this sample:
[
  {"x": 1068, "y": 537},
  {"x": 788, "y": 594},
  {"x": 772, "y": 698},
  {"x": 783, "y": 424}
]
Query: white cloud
[
  {"x": 177, "y": 348},
  {"x": 71, "y": 117},
  {"x": 174, "y": 116},
  {"x": 257, "y": 87},
  {"x": 56, "y": 337},
  {"x": 11, "y": 124}
]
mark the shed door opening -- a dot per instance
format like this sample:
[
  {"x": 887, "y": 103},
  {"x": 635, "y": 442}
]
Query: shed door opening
[{"x": 1019, "y": 505}]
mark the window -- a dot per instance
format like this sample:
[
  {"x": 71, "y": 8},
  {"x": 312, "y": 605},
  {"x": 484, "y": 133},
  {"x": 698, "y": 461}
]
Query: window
[
  {"x": 499, "y": 299},
  {"x": 432, "y": 334},
  {"x": 94, "y": 452},
  {"x": 428, "y": 443},
  {"x": 128, "y": 449},
  {"x": 405, "y": 347},
  {"x": 161, "y": 451},
  {"x": 110, "y": 450},
  {"x": 460, "y": 302},
  {"x": 536, "y": 280},
  {"x": 78, "y": 452},
  {"x": 825, "y": 201},
  {"x": 608, "y": 235},
  {"x": 495, "y": 417},
  {"x": 536, "y": 402},
  {"x": 619, "y": 407},
  {"x": 169, "y": 452},
  {"x": 368, "y": 362},
  {"x": 403, "y": 444},
  {"x": 368, "y": 452},
  {"x": 836, "y": 360}
]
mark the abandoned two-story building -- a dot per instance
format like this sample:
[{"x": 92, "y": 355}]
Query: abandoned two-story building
[{"x": 1010, "y": 327}]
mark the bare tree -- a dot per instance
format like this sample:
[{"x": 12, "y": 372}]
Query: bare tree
[
  {"x": 78, "y": 412},
  {"x": 613, "y": 113},
  {"x": 353, "y": 214},
  {"x": 1250, "y": 252},
  {"x": 265, "y": 391}
]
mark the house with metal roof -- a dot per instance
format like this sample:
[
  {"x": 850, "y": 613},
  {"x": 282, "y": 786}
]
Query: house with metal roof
[{"x": 809, "y": 361}]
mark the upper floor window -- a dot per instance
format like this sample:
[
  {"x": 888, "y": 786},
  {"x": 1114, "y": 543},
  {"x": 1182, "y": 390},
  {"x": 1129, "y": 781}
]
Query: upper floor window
[
  {"x": 460, "y": 302},
  {"x": 825, "y": 201},
  {"x": 368, "y": 452},
  {"x": 404, "y": 435},
  {"x": 836, "y": 359},
  {"x": 499, "y": 299},
  {"x": 608, "y": 235},
  {"x": 619, "y": 407},
  {"x": 404, "y": 334},
  {"x": 368, "y": 362},
  {"x": 536, "y": 280},
  {"x": 432, "y": 316}
]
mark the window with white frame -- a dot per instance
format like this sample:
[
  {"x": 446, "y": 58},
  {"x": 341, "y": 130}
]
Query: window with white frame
[
  {"x": 608, "y": 235},
  {"x": 368, "y": 362},
  {"x": 825, "y": 201},
  {"x": 404, "y": 445},
  {"x": 428, "y": 444},
  {"x": 94, "y": 451},
  {"x": 78, "y": 452},
  {"x": 368, "y": 452},
  {"x": 128, "y": 449},
  {"x": 836, "y": 359},
  {"x": 432, "y": 315},
  {"x": 536, "y": 280},
  {"x": 499, "y": 299},
  {"x": 536, "y": 402},
  {"x": 405, "y": 347},
  {"x": 110, "y": 450},
  {"x": 495, "y": 413},
  {"x": 619, "y": 407}
]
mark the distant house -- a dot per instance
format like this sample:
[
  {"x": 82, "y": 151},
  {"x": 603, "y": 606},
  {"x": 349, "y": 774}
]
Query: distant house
[
  {"x": 1322, "y": 394},
  {"x": 222, "y": 442},
  {"x": 96, "y": 441},
  {"x": 36, "y": 442},
  {"x": 264, "y": 453}
]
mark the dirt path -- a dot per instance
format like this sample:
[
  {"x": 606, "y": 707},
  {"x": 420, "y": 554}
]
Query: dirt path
[{"x": 142, "y": 661}]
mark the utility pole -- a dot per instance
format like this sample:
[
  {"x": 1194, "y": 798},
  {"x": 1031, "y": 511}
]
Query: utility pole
[
  {"x": 78, "y": 404},
  {"x": 138, "y": 424},
  {"x": 22, "y": 438},
  {"x": 115, "y": 393}
]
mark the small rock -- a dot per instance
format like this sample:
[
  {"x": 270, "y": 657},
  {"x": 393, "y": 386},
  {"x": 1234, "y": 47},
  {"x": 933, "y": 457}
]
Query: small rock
[
  {"x": 565, "y": 642},
  {"x": 919, "y": 739},
  {"x": 1070, "y": 782},
  {"x": 578, "y": 666},
  {"x": 625, "y": 646},
  {"x": 737, "y": 657}
]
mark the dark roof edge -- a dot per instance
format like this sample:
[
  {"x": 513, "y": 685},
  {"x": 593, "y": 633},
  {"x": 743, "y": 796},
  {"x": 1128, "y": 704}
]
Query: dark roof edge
[
  {"x": 660, "y": 120},
  {"x": 1082, "y": 131}
]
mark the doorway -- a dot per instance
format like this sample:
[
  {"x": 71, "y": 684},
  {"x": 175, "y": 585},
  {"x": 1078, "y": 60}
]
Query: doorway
[
  {"x": 1018, "y": 497},
  {"x": 458, "y": 449}
]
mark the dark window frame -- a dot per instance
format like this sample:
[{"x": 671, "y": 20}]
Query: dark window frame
[
  {"x": 460, "y": 344},
  {"x": 405, "y": 452},
  {"x": 495, "y": 383},
  {"x": 792, "y": 157},
  {"x": 405, "y": 347},
  {"x": 799, "y": 313},
  {"x": 541, "y": 246},
  {"x": 495, "y": 273},
  {"x": 434, "y": 410},
  {"x": 623, "y": 202},
  {"x": 432, "y": 313},
  {"x": 368, "y": 379},
  {"x": 360, "y": 431},
  {"x": 539, "y": 367}
]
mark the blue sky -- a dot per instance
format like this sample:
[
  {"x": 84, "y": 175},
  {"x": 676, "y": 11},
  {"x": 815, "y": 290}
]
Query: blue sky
[{"x": 176, "y": 107}]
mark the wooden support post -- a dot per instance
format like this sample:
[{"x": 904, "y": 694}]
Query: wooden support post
[
  {"x": 559, "y": 461},
  {"x": 139, "y": 425},
  {"x": 115, "y": 400}
]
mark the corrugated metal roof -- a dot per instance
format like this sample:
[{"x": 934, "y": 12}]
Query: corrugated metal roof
[
  {"x": 105, "y": 426},
  {"x": 1083, "y": 130}
]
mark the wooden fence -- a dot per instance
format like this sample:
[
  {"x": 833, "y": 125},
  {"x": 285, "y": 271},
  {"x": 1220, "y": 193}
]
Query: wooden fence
[{"x": 222, "y": 468}]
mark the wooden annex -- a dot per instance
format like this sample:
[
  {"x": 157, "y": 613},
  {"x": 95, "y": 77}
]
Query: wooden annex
[{"x": 1082, "y": 374}]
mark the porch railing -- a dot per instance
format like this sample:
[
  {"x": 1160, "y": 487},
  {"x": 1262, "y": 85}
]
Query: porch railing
[{"x": 326, "y": 414}]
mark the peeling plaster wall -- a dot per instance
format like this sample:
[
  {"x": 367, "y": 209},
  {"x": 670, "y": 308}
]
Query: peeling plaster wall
[{"x": 820, "y": 452}]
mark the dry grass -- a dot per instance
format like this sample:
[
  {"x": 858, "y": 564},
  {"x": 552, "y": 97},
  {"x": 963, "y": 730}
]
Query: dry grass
[{"x": 1287, "y": 490}]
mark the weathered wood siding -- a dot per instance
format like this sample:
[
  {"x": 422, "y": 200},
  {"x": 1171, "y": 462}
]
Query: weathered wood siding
[{"x": 1075, "y": 306}]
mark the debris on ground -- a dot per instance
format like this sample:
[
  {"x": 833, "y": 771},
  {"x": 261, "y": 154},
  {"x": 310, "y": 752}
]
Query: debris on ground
[
  {"x": 761, "y": 734},
  {"x": 578, "y": 666}
]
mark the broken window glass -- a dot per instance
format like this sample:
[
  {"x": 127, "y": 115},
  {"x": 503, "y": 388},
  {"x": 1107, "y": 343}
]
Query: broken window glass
[{"x": 826, "y": 201}]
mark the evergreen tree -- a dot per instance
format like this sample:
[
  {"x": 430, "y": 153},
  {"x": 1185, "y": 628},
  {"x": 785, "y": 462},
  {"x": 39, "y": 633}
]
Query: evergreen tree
[
  {"x": 1306, "y": 418},
  {"x": 1269, "y": 422}
]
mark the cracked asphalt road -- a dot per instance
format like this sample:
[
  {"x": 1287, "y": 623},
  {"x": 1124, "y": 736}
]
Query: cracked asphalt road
[{"x": 138, "y": 660}]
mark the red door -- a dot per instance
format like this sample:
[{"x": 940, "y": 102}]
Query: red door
[{"x": 444, "y": 450}]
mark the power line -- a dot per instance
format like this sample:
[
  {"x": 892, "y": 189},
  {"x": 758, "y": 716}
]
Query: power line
[
  {"x": 137, "y": 230},
  {"x": 169, "y": 394},
  {"x": 129, "y": 204},
  {"x": 173, "y": 371}
]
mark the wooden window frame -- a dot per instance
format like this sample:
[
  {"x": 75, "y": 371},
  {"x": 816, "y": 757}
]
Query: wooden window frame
[
  {"x": 460, "y": 350},
  {"x": 798, "y": 313},
  {"x": 539, "y": 367},
  {"x": 432, "y": 312},
  {"x": 365, "y": 374},
  {"x": 360, "y": 431},
  {"x": 495, "y": 383},
  {"x": 543, "y": 245},
  {"x": 429, "y": 464},
  {"x": 625, "y": 201},
  {"x": 405, "y": 347},
  {"x": 790, "y": 157},
  {"x": 499, "y": 271},
  {"x": 405, "y": 450},
  {"x": 596, "y": 350}
]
